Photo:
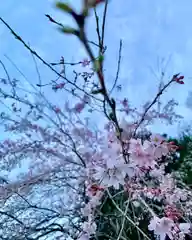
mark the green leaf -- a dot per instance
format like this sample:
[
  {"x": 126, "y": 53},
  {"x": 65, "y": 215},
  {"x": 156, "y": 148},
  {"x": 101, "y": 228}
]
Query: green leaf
[
  {"x": 69, "y": 30},
  {"x": 96, "y": 65},
  {"x": 64, "y": 7},
  {"x": 101, "y": 58}
]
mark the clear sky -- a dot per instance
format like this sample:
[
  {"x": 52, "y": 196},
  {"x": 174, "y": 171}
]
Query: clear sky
[{"x": 150, "y": 30}]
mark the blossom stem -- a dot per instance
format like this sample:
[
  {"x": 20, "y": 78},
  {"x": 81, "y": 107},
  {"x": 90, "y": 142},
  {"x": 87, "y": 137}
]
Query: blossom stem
[
  {"x": 147, "y": 206},
  {"x": 120, "y": 210},
  {"x": 123, "y": 223}
]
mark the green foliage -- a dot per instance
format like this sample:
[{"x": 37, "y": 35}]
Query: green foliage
[
  {"x": 64, "y": 7},
  {"x": 69, "y": 30},
  {"x": 182, "y": 164},
  {"x": 110, "y": 220}
]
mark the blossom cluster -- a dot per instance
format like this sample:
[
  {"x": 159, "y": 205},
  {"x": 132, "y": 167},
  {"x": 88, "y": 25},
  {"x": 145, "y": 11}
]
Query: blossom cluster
[{"x": 139, "y": 167}]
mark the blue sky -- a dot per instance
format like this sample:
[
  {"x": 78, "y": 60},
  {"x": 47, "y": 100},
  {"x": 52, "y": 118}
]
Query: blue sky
[{"x": 150, "y": 30}]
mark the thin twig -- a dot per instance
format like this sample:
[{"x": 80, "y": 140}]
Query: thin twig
[
  {"x": 97, "y": 28},
  {"x": 104, "y": 21},
  {"x": 123, "y": 223},
  {"x": 37, "y": 70},
  {"x": 118, "y": 67},
  {"x": 152, "y": 103},
  {"x": 39, "y": 57},
  {"x": 133, "y": 223}
]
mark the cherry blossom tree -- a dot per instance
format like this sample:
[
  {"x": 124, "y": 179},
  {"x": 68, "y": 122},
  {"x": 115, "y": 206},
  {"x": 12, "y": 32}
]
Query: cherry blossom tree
[{"x": 77, "y": 168}]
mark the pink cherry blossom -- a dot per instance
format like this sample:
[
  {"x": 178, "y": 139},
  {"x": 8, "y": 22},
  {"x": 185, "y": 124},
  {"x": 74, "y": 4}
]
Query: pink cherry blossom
[
  {"x": 95, "y": 200},
  {"x": 113, "y": 174},
  {"x": 79, "y": 107},
  {"x": 185, "y": 227},
  {"x": 156, "y": 139},
  {"x": 83, "y": 236},
  {"x": 161, "y": 150},
  {"x": 161, "y": 227},
  {"x": 89, "y": 227},
  {"x": 85, "y": 62},
  {"x": 141, "y": 155},
  {"x": 87, "y": 210}
]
